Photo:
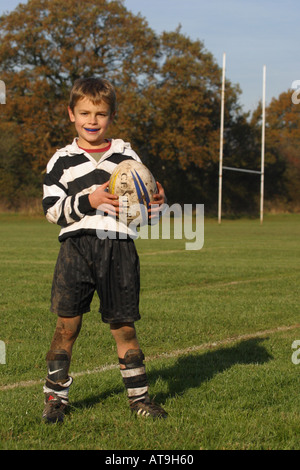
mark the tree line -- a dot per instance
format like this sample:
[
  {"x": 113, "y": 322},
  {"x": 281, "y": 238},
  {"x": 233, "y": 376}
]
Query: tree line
[{"x": 169, "y": 94}]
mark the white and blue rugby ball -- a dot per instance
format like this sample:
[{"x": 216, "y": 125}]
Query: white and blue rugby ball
[{"x": 135, "y": 185}]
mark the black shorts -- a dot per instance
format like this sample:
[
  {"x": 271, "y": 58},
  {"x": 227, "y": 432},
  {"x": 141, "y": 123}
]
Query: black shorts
[{"x": 87, "y": 264}]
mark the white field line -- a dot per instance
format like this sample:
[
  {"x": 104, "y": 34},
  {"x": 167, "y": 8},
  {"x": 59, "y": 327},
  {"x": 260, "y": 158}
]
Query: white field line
[{"x": 172, "y": 354}]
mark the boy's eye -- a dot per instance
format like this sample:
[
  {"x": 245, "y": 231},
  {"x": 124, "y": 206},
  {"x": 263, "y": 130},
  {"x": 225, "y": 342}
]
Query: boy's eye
[{"x": 83, "y": 113}]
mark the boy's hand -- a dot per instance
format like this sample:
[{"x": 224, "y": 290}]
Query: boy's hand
[
  {"x": 104, "y": 201},
  {"x": 159, "y": 199}
]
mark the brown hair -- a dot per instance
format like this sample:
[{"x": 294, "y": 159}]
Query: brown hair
[{"x": 96, "y": 90}]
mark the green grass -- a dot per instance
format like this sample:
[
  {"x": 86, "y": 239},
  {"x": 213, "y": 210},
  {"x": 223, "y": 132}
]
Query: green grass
[{"x": 217, "y": 329}]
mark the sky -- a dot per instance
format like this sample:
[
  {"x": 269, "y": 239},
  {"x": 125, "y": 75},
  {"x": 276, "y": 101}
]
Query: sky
[{"x": 252, "y": 33}]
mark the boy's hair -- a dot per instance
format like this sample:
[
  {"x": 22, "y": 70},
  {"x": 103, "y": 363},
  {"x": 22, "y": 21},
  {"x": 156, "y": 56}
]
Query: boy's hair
[{"x": 96, "y": 90}]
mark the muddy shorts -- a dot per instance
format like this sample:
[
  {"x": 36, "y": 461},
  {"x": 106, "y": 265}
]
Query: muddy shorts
[{"x": 110, "y": 267}]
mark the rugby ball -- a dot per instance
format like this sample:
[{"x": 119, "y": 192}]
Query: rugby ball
[{"x": 135, "y": 185}]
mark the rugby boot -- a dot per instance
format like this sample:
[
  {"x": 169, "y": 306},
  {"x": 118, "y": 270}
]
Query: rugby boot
[
  {"x": 56, "y": 388},
  {"x": 55, "y": 407},
  {"x": 147, "y": 408}
]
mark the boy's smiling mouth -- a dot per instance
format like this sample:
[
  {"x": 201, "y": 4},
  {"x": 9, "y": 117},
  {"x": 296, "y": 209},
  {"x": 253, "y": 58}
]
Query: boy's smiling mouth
[{"x": 91, "y": 130}]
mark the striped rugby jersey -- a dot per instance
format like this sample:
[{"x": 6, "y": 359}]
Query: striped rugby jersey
[{"x": 71, "y": 175}]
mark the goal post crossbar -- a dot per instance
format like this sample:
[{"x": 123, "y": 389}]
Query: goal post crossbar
[{"x": 241, "y": 169}]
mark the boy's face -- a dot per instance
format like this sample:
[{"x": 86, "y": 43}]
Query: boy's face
[{"x": 91, "y": 122}]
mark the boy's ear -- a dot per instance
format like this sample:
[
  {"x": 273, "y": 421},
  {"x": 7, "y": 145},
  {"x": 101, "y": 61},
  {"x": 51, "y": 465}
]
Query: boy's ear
[{"x": 71, "y": 114}]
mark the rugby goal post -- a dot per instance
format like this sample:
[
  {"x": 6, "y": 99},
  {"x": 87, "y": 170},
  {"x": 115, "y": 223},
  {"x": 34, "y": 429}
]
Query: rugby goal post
[
  {"x": 2, "y": 92},
  {"x": 242, "y": 170}
]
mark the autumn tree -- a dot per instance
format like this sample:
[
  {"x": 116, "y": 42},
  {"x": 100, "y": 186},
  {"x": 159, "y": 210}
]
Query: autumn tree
[
  {"x": 283, "y": 145},
  {"x": 18, "y": 182},
  {"x": 180, "y": 137},
  {"x": 45, "y": 45},
  {"x": 282, "y": 152},
  {"x": 168, "y": 89}
]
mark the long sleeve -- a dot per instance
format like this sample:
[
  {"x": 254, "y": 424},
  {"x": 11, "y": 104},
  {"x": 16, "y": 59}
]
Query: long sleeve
[{"x": 60, "y": 207}]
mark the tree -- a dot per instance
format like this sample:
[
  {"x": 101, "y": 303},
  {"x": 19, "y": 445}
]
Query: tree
[
  {"x": 45, "y": 45},
  {"x": 168, "y": 88},
  {"x": 282, "y": 159},
  {"x": 180, "y": 137},
  {"x": 185, "y": 102},
  {"x": 18, "y": 183}
]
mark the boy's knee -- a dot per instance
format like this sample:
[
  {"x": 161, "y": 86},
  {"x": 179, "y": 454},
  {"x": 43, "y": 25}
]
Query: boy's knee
[
  {"x": 66, "y": 332},
  {"x": 123, "y": 331},
  {"x": 69, "y": 327}
]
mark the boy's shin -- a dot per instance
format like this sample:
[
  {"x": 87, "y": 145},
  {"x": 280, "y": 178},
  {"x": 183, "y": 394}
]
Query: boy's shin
[
  {"x": 134, "y": 375},
  {"x": 58, "y": 379}
]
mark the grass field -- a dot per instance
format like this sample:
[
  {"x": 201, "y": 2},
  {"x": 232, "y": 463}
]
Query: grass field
[{"x": 217, "y": 329}]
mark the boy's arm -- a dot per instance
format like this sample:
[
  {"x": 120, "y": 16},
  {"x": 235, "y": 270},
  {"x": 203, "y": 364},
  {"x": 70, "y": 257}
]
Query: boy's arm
[
  {"x": 64, "y": 210},
  {"x": 59, "y": 208}
]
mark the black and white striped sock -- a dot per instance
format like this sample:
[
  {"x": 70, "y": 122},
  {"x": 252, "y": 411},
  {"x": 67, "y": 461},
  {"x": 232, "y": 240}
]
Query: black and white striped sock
[{"x": 134, "y": 375}]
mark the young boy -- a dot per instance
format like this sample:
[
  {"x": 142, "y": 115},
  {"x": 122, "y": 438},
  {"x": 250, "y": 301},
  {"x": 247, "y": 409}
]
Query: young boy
[{"x": 75, "y": 186}]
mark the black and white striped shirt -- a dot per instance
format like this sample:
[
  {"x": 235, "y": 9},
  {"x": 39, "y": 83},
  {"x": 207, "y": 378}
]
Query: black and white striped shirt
[{"x": 72, "y": 174}]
